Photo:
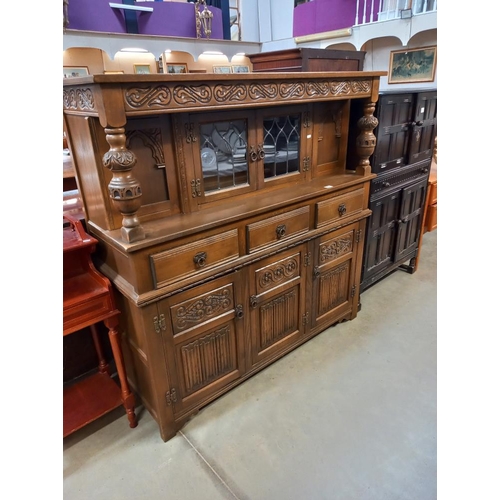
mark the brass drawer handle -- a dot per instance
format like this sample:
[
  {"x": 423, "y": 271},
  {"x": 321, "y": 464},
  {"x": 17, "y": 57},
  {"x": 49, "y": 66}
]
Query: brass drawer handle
[
  {"x": 342, "y": 209},
  {"x": 281, "y": 231},
  {"x": 200, "y": 259}
]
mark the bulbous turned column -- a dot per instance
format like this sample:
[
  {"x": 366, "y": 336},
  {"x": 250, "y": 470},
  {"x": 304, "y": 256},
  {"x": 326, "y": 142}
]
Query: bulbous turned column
[
  {"x": 124, "y": 189},
  {"x": 366, "y": 141}
]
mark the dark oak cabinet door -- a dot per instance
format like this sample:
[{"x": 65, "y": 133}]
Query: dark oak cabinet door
[
  {"x": 395, "y": 114},
  {"x": 204, "y": 340},
  {"x": 410, "y": 218},
  {"x": 424, "y": 127},
  {"x": 277, "y": 302},
  {"x": 381, "y": 234}
]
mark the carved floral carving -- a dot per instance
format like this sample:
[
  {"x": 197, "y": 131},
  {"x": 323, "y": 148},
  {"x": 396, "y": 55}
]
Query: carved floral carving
[
  {"x": 337, "y": 247},
  {"x": 78, "y": 99},
  {"x": 148, "y": 97}
]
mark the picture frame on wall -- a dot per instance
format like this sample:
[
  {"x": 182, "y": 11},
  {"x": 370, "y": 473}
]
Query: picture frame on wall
[
  {"x": 115, "y": 72},
  {"x": 412, "y": 65},
  {"x": 240, "y": 68},
  {"x": 177, "y": 68},
  {"x": 142, "y": 69},
  {"x": 75, "y": 71},
  {"x": 222, "y": 69}
]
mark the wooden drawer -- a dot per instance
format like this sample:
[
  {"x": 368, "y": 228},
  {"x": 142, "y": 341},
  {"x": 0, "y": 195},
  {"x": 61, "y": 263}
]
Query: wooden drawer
[
  {"x": 273, "y": 229},
  {"x": 431, "y": 218},
  {"x": 339, "y": 207},
  {"x": 185, "y": 260}
]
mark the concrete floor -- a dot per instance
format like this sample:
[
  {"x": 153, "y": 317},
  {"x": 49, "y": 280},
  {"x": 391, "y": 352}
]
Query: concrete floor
[{"x": 350, "y": 415}]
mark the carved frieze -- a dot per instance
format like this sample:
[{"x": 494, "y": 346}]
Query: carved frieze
[
  {"x": 202, "y": 308},
  {"x": 78, "y": 99},
  {"x": 335, "y": 248},
  {"x": 278, "y": 273},
  {"x": 167, "y": 96}
]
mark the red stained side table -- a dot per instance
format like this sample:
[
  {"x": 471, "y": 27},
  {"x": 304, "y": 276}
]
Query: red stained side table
[{"x": 87, "y": 300}]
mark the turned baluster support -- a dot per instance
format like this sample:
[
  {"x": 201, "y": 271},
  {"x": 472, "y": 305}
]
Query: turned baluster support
[
  {"x": 366, "y": 141},
  {"x": 124, "y": 189}
]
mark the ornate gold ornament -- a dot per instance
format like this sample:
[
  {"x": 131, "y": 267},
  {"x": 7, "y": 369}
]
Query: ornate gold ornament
[{"x": 203, "y": 19}]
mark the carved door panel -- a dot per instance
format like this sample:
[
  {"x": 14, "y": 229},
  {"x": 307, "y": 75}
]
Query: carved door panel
[
  {"x": 203, "y": 340},
  {"x": 424, "y": 127},
  {"x": 410, "y": 218},
  {"x": 334, "y": 261},
  {"x": 381, "y": 234},
  {"x": 277, "y": 303},
  {"x": 395, "y": 116},
  {"x": 331, "y": 129}
]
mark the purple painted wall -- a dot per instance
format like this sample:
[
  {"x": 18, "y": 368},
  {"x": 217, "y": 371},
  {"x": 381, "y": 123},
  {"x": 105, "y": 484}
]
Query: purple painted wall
[
  {"x": 167, "y": 18},
  {"x": 176, "y": 19},
  {"x": 318, "y": 16}
]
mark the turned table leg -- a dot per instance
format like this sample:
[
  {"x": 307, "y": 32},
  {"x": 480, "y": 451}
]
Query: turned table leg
[
  {"x": 103, "y": 364},
  {"x": 127, "y": 396}
]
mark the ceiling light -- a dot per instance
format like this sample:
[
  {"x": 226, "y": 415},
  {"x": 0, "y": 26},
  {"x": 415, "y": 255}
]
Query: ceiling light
[
  {"x": 133, "y": 49},
  {"x": 212, "y": 53}
]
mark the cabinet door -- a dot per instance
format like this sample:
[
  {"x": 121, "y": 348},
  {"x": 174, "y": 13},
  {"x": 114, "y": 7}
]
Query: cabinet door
[
  {"x": 329, "y": 138},
  {"x": 381, "y": 234},
  {"x": 282, "y": 145},
  {"x": 277, "y": 302},
  {"x": 334, "y": 286},
  {"x": 220, "y": 148},
  {"x": 424, "y": 128},
  {"x": 203, "y": 340},
  {"x": 394, "y": 114},
  {"x": 410, "y": 218}
]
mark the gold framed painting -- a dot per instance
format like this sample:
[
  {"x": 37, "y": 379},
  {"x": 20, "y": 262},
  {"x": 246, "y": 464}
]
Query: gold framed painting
[
  {"x": 222, "y": 69},
  {"x": 240, "y": 68},
  {"x": 412, "y": 65},
  {"x": 75, "y": 71},
  {"x": 142, "y": 69},
  {"x": 177, "y": 68}
]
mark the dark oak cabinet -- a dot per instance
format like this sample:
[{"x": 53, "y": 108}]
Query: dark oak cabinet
[
  {"x": 402, "y": 160},
  {"x": 226, "y": 218}
]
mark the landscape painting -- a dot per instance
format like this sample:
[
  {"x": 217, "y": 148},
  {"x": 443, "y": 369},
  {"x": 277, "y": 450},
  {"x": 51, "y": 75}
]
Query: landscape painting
[{"x": 412, "y": 65}]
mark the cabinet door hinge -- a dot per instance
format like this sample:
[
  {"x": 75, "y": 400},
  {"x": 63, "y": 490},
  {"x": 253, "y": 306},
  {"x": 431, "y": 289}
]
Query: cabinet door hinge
[
  {"x": 190, "y": 135},
  {"x": 171, "y": 397},
  {"x": 159, "y": 323},
  {"x": 358, "y": 235},
  {"x": 306, "y": 163},
  {"x": 353, "y": 290},
  {"x": 305, "y": 319},
  {"x": 307, "y": 259},
  {"x": 195, "y": 188}
]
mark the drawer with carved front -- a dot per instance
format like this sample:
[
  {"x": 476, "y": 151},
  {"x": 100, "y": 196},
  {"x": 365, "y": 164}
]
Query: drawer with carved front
[
  {"x": 339, "y": 207},
  {"x": 276, "y": 229},
  {"x": 185, "y": 260}
]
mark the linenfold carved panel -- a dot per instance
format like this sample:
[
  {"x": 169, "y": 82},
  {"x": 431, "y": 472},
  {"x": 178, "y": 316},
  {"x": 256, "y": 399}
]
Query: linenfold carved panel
[
  {"x": 208, "y": 358},
  {"x": 279, "y": 318},
  {"x": 188, "y": 96},
  {"x": 333, "y": 288}
]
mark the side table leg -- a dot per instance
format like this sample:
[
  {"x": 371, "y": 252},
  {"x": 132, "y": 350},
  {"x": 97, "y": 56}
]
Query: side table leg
[
  {"x": 127, "y": 396},
  {"x": 103, "y": 364}
]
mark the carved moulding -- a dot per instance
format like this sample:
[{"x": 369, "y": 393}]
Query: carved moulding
[
  {"x": 173, "y": 96},
  {"x": 78, "y": 99}
]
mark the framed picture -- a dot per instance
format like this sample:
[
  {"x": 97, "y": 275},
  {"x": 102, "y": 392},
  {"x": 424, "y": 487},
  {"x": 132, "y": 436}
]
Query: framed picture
[
  {"x": 412, "y": 65},
  {"x": 74, "y": 72},
  {"x": 240, "y": 69},
  {"x": 177, "y": 68},
  {"x": 222, "y": 69},
  {"x": 142, "y": 69},
  {"x": 119, "y": 72}
]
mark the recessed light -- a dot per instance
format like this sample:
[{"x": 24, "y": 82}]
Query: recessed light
[
  {"x": 133, "y": 49},
  {"x": 212, "y": 53}
]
